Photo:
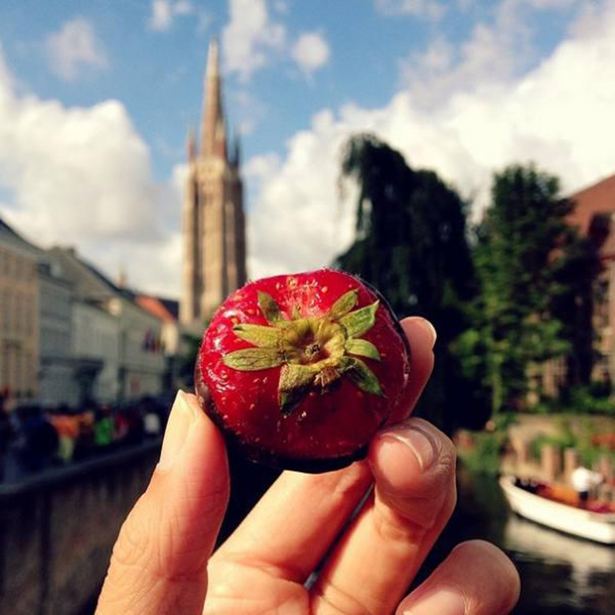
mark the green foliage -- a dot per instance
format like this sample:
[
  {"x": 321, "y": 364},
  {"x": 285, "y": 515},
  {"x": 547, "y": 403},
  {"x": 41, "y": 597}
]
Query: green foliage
[
  {"x": 590, "y": 455},
  {"x": 484, "y": 457},
  {"x": 579, "y": 400},
  {"x": 578, "y": 437},
  {"x": 503, "y": 421},
  {"x": 583, "y": 400},
  {"x": 411, "y": 233},
  {"x": 521, "y": 294},
  {"x": 411, "y": 244},
  {"x": 561, "y": 441},
  {"x": 531, "y": 268}
]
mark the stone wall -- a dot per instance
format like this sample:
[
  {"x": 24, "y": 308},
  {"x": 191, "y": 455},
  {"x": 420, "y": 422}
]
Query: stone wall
[{"x": 57, "y": 530}]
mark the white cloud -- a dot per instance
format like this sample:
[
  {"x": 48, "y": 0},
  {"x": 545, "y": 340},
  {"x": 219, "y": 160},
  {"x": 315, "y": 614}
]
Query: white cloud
[
  {"x": 495, "y": 53},
  {"x": 310, "y": 51},
  {"x": 81, "y": 176},
  {"x": 262, "y": 166},
  {"x": 297, "y": 222},
  {"x": 164, "y": 12},
  {"x": 557, "y": 114},
  {"x": 250, "y": 37},
  {"x": 428, "y": 9},
  {"x": 73, "y": 49},
  {"x": 253, "y": 39},
  {"x": 161, "y": 17}
]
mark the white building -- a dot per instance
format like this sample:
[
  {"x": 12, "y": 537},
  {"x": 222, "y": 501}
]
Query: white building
[
  {"x": 175, "y": 339},
  {"x": 117, "y": 344},
  {"x": 96, "y": 351},
  {"x": 142, "y": 364},
  {"x": 56, "y": 364}
]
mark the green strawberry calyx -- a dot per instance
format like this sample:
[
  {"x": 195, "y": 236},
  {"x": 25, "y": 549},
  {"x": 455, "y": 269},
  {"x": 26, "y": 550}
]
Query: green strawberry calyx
[{"x": 314, "y": 352}]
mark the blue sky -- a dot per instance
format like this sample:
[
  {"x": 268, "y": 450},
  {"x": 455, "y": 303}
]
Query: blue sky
[{"x": 96, "y": 99}]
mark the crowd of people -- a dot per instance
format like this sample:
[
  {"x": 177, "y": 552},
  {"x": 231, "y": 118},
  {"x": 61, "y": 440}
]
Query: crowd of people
[{"x": 33, "y": 438}]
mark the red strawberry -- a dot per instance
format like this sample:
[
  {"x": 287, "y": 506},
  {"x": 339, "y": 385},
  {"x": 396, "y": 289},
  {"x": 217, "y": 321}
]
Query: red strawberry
[{"x": 303, "y": 369}]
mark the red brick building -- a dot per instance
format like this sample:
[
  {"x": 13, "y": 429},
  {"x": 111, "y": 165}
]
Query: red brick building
[{"x": 594, "y": 214}]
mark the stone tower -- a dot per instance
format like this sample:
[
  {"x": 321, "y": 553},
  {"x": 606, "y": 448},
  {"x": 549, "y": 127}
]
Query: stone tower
[{"x": 214, "y": 260}]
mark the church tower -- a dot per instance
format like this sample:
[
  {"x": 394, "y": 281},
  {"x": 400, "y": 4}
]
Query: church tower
[{"x": 213, "y": 226}]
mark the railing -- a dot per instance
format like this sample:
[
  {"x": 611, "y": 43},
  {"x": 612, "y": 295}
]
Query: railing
[{"x": 57, "y": 529}]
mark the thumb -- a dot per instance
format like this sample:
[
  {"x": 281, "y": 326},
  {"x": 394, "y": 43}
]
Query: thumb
[{"x": 159, "y": 562}]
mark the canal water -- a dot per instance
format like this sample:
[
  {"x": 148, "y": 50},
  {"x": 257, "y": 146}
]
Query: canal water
[{"x": 560, "y": 575}]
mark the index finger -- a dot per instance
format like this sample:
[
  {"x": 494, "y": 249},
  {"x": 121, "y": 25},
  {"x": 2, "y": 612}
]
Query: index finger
[{"x": 313, "y": 509}]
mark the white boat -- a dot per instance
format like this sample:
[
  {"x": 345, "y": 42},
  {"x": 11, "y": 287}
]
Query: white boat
[{"x": 599, "y": 527}]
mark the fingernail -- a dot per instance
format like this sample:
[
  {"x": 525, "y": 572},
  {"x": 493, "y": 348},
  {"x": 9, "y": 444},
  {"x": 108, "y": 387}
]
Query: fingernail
[
  {"x": 178, "y": 426},
  {"x": 442, "y": 602},
  {"x": 427, "y": 326},
  {"x": 418, "y": 440}
]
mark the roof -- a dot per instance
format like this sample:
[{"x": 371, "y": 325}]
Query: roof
[
  {"x": 172, "y": 305},
  {"x": 14, "y": 238},
  {"x": 103, "y": 278},
  {"x": 165, "y": 309},
  {"x": 596, "y": 199},
  {"x": 5, "y": 227},
  {"x": 94, "y": 283}
]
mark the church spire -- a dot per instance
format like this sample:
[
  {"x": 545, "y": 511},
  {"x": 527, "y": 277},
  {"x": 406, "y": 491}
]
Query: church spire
[
  {"x": 213, "y": 139},
  {"x": 236, "y": 151},
  {"x": 191, "y": 146},
  {"x": 213, "y": 219}
]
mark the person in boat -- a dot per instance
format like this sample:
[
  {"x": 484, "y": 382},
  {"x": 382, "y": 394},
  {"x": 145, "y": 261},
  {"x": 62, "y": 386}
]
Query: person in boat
[{"x": 583, "y": 479}]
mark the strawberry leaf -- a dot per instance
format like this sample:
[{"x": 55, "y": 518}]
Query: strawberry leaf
[
  {"x": 270, "y": 309},
  {"x": 263, "y": 337},
  {"x": 361, "y": 375},
  {"x": 360, "y": 321},
  {"x": 254, "y": 359},
  {"x": 344, "y": 304},
  {"x": 295, "y": 382},
  {"x": 363, "y": 348}
]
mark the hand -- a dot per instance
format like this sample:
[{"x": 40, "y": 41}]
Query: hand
[{"x": 162, "y": 561}]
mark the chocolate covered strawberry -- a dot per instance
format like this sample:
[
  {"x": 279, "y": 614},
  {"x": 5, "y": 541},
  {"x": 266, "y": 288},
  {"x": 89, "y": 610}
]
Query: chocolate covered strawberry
[{"x": 303, "y": 369}]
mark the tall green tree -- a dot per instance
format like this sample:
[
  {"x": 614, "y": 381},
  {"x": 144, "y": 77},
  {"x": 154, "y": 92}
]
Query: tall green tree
[
  {"x": 524, "y": 267},
  {"x": 411, "y": 244}
]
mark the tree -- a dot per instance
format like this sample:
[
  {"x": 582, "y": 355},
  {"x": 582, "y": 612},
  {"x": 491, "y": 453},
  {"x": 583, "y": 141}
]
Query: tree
[
  {"x": 411, "y": 244},
  {"x": 526, "y": 267}
]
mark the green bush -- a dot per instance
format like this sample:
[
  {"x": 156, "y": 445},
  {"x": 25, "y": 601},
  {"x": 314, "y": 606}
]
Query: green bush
[
  {"x": 561, "y": 441},
  {"x": 485, "y": 456},
  {"x": 588, "y": 400},
  {"x": 581, "y": 440}
]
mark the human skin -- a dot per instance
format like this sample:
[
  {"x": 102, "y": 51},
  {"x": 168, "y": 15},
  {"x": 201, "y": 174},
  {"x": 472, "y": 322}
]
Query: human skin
[{"x": 162, "y": 561}]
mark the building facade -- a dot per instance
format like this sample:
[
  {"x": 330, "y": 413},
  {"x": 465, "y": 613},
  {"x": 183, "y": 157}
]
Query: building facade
[
  {"x": 174, "y": 340},
  {"x": 116, "y": 347},
  {"x": 142, "y": 364},
  {"x": 213, "y": 221},
  {"x": 19, "y": 317},
  {"x": 594, "y": 216},
  {"x": 56, "y": 368},
  {"x": 95, "y": 347}
]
